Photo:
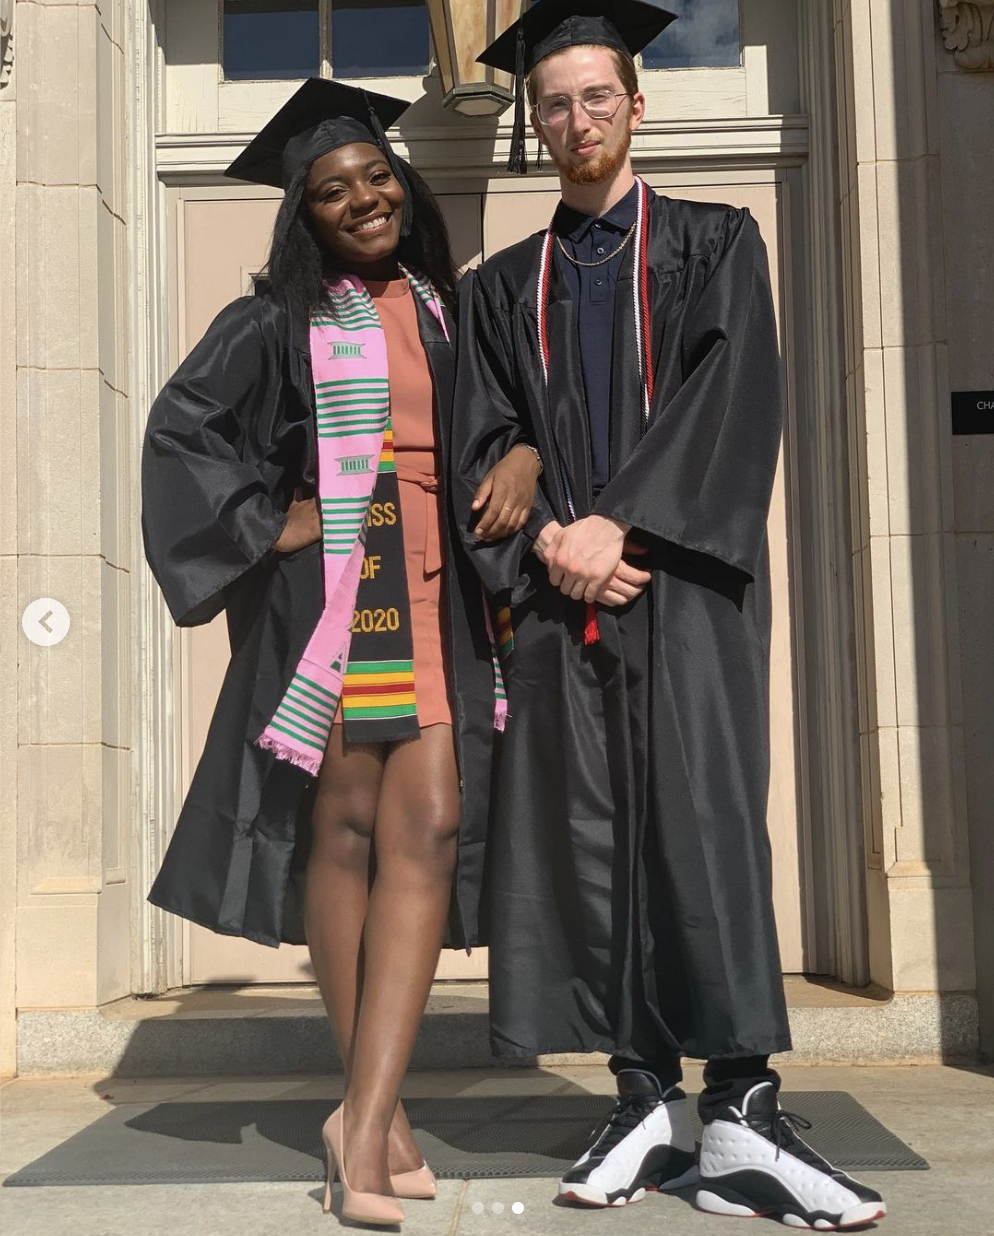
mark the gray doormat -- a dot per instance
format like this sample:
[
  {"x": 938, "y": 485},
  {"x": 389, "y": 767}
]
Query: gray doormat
[{"x": 462, "y": 1139}]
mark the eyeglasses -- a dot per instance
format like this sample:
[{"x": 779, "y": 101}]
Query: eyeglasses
[{"x": 556, "y": 109}]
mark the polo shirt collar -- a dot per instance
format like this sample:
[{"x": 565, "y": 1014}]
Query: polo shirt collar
[{"x": 574, "y": 225}]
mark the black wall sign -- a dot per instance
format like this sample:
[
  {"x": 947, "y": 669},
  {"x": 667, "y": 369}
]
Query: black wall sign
[{"x": 973, "y": 411}]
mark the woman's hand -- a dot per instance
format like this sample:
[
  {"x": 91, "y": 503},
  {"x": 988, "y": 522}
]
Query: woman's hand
[
  {"x": 302, "y": 527},
  {"x": 507, "y": 492}
]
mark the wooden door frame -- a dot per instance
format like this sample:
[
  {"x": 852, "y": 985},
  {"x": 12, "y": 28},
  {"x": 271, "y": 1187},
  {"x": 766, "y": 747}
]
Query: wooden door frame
[{"x": 828, "y": 755}]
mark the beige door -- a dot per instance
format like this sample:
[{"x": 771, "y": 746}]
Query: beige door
[{"x": 222, "y": 243}]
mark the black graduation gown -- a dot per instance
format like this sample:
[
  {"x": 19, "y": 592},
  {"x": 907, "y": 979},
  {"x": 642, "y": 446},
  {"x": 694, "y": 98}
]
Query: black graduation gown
[
  {"x": 228, "y": 440},
  {"x": 628, "y": 875}
]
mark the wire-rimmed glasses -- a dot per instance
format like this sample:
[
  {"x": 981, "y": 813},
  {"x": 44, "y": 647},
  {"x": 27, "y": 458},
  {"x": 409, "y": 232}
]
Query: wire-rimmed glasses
[{"x": 556, "y": 109}]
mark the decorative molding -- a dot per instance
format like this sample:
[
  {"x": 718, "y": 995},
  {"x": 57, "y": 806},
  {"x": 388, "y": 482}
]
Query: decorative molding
[
  {"x": 156, "y": 935},
  {"x": 743, "y": 141},
  {"x": 6, "y": 40},
  {"x": 968, "y": 32},
  {"x": 829, "y": 763}
]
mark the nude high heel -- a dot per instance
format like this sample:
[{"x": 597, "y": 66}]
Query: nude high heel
[
  {"x": 417, "y": 1185},
  {"x": 360, "y": 1207}
]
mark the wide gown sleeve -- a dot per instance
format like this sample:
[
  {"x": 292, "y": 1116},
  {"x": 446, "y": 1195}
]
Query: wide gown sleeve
[
  {"x": 486, "y": 423},
  {"x": 207, "y": 514},
  {"x": 703, "y": 474}
]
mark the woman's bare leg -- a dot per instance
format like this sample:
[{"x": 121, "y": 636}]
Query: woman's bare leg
[
  {"x": 337, "y": 881},
  {"x": 417, "y": 824},
  {"x": 336, "y": 899}
]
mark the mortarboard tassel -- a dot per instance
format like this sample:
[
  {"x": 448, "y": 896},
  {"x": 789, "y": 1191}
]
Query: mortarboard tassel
[
  {"x": 518, "y": 157},
  {"x": 407, "y": 218}
]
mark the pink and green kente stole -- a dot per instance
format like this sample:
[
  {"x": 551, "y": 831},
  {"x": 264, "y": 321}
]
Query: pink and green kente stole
[{"x": 359, "y": 653}]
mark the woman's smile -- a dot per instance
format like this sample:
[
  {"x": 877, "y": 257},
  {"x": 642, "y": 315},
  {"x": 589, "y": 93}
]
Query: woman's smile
[{"x": 375, "y": 224}]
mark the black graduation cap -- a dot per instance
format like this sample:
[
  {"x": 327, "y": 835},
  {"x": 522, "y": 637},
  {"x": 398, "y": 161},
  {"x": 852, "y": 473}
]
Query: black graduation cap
[
  {"x": 551, "y": 25},
  {"x": 321, "y": 116}
]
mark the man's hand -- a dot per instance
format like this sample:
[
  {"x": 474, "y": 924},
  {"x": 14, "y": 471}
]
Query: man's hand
[
  {"x": 627, "y": 583},
  {"x": 586, "y": 556},
  {"x": 302, "y": 527}
]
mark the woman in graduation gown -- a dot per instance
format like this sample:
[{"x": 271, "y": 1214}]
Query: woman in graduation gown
[{"x": 290, "y": 478}]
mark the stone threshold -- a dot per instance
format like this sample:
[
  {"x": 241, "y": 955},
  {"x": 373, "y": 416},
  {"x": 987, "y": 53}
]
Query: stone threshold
[
  {"x": 282, "y": 1029},
  {"x": 283, "y": 999}
]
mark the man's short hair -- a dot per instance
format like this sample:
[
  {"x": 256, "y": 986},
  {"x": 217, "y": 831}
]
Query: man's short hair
[{"x": 627, "y": 72}]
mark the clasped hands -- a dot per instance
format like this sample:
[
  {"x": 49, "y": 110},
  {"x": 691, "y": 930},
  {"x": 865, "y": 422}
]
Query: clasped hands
[{"x": 585, "y": 560}]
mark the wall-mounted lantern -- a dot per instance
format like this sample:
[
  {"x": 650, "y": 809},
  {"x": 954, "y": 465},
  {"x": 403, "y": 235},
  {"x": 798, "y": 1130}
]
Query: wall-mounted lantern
[{"x": 461, "y": 29}]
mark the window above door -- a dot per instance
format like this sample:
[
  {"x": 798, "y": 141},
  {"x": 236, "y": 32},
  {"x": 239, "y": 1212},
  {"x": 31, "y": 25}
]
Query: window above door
[
  {"x": 228, "y": 65},
  {"x": 704, "y": 36},
  {"x": 270, "y": 40}
]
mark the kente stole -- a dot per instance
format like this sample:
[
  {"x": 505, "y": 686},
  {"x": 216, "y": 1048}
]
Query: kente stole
[{"x": 367, "y": 664}]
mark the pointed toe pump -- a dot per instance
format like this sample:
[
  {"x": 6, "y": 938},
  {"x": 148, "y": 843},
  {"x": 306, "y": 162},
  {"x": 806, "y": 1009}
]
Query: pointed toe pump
[
  {"x": 371, "y": 1208},
  {"x": 417, "y": 1185}
]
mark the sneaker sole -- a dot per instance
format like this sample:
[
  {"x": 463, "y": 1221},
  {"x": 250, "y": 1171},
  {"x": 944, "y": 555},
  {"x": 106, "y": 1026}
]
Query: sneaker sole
[
  {"x": 855, "y": 1216},
  {"x": 589, "y": 1195},
  {"x": 586, "y": 1195}
]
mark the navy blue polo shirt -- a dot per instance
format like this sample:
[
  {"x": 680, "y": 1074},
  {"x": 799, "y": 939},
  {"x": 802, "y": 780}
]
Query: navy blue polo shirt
[{"x": 592, "y": 287}]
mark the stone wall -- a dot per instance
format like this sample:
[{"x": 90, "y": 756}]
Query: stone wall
[
  {"x": 919, "y": 896},
  {"x": 914, "y": 124}
]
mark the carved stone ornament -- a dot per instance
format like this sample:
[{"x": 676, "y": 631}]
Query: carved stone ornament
[
  {"x": 968, "y": 32},
  {"x": 6, "y": 39}
]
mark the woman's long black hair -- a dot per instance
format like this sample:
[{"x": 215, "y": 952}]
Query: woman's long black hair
[{"x": 298, "y": 267}]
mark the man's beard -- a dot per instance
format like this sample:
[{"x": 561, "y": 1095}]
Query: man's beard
[{"x": 600, "y": 168}]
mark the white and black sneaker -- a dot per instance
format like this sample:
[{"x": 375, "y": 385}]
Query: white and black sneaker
[
  {"x": 647, "y": 1143},
  {"x": 754, "y": 1163}
]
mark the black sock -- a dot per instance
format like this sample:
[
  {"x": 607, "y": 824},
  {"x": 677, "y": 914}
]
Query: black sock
[
  {"x": 728, "y": 1080},
  {"x": 666, "y": 1069}
]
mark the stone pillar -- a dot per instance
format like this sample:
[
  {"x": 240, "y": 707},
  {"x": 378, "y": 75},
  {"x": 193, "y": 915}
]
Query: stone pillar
[
  {"x": 74, "y": 513},
  {"x": 8, "y": 547},
  {"x": 911, "y": 731},
  {"x": 966, "y": 124}
]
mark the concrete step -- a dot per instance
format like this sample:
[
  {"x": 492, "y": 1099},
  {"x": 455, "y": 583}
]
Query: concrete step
[{"x": 279, "y": 1030}]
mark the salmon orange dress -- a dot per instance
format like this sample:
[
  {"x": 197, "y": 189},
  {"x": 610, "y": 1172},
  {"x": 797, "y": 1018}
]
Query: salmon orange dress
[{"x": 412, "y": 411}]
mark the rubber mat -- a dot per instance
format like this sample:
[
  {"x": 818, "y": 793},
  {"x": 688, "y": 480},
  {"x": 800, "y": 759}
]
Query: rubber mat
[{"x": 462, "y": 1138}]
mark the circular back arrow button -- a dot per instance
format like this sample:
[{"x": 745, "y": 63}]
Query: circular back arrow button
[{"x": 45, "y": 622}]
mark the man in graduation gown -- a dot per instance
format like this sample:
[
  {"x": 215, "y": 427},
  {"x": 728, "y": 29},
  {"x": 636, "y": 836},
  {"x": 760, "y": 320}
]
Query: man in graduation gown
[{"x": 629, "y": 902}]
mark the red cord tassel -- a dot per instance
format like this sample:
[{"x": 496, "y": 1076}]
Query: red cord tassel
[{"x": 591, "y": 631}]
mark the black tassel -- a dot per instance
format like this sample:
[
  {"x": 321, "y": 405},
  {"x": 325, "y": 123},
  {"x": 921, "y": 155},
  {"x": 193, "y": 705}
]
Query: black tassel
[
  {"x": 518, "y": 157},
  {"x": 540, "y": 159},
  {"x": 407, "y": 218}
]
